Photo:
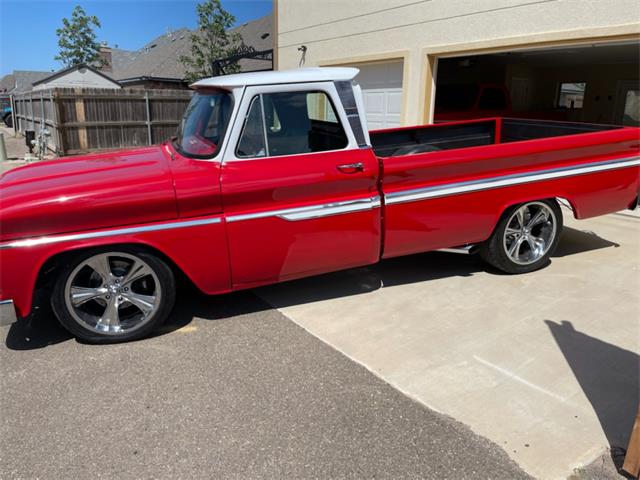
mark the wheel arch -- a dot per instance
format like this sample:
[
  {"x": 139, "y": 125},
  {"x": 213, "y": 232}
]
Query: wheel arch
[
  {"x": 494, "y": 249},
  {"x": 506, "y": 208},
  {"x": 50, "y": 267},
  {"x": 53, "y": 263}
]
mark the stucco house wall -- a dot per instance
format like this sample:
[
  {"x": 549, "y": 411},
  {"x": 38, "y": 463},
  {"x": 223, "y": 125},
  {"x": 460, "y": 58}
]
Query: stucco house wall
[{"x": 339, "y": 32}]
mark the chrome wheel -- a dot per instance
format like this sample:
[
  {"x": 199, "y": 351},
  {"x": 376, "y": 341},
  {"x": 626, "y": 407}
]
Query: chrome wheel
[
  {"x": 530, "y": 232},
  {"x": 113, "y": 293}
]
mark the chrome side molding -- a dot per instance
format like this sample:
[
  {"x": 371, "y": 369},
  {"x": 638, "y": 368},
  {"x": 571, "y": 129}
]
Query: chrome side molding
[
  {"x": 32, "y": 242},
  {"x": 455, "y": 188},
  {"x": 312, "y": 211}
]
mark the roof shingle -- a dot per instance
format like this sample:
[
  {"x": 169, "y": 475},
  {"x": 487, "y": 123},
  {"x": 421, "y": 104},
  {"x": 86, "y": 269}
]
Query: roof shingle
[
  {"x": 160, "y": 57},
  {"x": 21, "y": 80}
]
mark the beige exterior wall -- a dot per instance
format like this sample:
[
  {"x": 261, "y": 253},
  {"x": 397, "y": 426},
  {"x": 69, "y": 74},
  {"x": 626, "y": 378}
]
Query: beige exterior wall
[{"x": 355, "y": 31}]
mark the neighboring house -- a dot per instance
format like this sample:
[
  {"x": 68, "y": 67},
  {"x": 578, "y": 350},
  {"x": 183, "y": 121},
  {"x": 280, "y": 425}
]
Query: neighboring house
[
  {"x": 20, "y": 81},
  {"x": 78, "y": 76},
  {"x": 157, "y": 64},
  {"x": 407, "y": 50}
]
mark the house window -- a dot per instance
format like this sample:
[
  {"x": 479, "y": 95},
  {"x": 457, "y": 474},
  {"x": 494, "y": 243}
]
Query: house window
[{"x": 571, "y": 94}]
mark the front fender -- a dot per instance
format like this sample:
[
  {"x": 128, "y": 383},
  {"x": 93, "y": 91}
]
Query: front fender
[{"x": 198, "y": 247}]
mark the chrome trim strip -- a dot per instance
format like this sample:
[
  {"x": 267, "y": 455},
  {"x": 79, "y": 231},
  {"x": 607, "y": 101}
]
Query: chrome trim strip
[
  {"x": 506, "y": 180},
  {"x": 7, "y": 313},
  {"x": 312, "y": 211},
  {"x": 31, "y": 242}
]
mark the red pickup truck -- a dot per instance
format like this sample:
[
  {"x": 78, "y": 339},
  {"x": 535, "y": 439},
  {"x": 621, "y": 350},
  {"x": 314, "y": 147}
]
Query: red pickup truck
[{"x": 274, "y": 176}]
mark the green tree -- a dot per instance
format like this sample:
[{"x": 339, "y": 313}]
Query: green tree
[
  {"x": 77, "y": 40},
  {"x": 212, "y": 41}
]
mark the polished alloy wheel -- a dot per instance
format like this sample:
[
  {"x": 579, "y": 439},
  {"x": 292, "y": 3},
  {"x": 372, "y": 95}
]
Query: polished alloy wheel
[
  {"x": 530, "y": 232},
  {"x": 113, "y": 293}
]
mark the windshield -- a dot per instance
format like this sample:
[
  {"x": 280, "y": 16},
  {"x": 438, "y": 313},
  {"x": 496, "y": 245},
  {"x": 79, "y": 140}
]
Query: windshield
[{"x": 204, "y": 124}]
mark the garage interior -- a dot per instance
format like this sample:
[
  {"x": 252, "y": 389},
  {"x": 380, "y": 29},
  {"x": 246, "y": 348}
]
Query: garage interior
[{"x": 592, "y": 83}]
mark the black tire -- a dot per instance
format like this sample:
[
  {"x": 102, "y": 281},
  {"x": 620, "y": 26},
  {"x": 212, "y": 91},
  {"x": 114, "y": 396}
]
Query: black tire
[
  {"x": 161, "y": 274},
  {"x": 494, "y": 250},
  {"x": 8, "y": 120}
]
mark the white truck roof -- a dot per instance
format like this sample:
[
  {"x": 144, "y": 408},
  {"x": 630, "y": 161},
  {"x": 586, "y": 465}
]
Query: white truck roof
[{"x": 297, "y": 75}]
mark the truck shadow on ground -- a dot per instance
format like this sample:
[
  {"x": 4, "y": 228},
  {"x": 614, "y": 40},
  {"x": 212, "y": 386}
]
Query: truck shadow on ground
[
  {"x": 42, "y": 329},
  {"x": 609, "y": 377}
]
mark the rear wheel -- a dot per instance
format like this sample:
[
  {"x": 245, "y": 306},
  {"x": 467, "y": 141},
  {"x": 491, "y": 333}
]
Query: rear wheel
[
  {"x": 525, "y": 238},
  {"x": 113, "y": 295},
  {"x": 8, "y": 120}
]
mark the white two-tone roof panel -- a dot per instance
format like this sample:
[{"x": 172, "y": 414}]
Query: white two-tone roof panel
[{"x": 297, "y": 75}]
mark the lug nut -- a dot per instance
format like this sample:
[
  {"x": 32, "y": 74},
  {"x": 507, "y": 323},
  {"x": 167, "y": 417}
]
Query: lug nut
[
  {"x": 108, "y": 297},
  {"x": 126, "y": 289}
]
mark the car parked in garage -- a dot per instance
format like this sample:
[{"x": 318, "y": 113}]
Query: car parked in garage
[
  {"x": 471, "y": 101},
  {"x": 274, "y": 176}
]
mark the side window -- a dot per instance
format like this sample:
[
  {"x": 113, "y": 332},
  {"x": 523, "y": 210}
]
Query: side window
[
  {"x": 291, "y": 123},
  {"x": 252, "y": 143}
]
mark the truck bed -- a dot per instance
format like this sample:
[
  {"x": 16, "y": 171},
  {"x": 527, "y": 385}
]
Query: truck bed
[
  {"x": 474, "y": 133},
  {"x": 448, "y": 184}
]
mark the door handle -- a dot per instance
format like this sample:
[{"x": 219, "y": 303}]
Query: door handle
[{"x": 351, "y": 167}]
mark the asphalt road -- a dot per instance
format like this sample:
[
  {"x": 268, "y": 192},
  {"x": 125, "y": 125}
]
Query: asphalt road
[{"x": 230, "y": 389}]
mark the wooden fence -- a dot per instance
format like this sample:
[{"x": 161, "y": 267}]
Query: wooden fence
[{"x": 88, "y": 119}]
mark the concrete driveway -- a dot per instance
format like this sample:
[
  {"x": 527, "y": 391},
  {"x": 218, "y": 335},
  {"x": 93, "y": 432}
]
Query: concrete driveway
[{"x": 545, "y": 364}]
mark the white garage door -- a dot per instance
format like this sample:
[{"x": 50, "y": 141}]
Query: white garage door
[{"x": 382, "y": 90}]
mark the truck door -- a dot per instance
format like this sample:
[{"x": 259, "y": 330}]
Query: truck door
[{"x": 300, "y": 197}]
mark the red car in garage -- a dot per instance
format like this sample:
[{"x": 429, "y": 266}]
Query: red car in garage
[{"x": 471, "y": 101}]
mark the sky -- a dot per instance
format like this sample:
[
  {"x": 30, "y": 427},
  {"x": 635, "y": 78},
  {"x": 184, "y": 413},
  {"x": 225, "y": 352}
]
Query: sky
[{"x": 28, "y": 38}]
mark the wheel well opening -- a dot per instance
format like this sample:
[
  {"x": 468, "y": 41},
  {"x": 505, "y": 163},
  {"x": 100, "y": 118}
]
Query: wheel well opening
[
  {"x": 506, "y": 210},
  {"x": 49, "y": 270}
]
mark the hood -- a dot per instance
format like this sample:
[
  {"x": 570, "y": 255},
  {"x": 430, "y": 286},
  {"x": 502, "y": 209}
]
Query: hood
[{"x": 86, "y": 192}]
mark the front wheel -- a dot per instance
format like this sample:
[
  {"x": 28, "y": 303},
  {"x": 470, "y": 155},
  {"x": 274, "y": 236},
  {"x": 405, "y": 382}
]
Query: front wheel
[
  {"x": 110, "y": 296},
  {"x": 526, "y": 236}
]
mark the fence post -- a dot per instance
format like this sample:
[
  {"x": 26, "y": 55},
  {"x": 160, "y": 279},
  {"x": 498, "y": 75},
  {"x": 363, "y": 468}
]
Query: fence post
[
  {"x": 146, "y": 102},
  {"x": 43, "y": 124},
  {"x": 81, "y": 118},
  {"x": 54, "y": 121},
  {"x": 33, "y": 116},
  {"x": 57, "y": 108},
  {"x": 13, "y": 114},
  {"x": 42, "y": 120}
]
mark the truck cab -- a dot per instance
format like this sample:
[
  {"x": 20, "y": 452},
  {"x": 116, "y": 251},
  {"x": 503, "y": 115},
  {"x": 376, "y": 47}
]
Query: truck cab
[{"x": 295, "y": 170}]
